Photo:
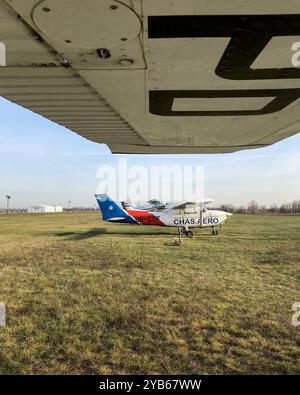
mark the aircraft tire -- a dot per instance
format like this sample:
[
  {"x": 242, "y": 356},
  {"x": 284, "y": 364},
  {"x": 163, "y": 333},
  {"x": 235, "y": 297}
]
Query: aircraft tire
[
  {"x": 189, "y": 234},
  {"x": 215, "y": 232}
]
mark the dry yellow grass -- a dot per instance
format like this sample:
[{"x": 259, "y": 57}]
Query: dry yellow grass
[{"x": 85, "y": 297}]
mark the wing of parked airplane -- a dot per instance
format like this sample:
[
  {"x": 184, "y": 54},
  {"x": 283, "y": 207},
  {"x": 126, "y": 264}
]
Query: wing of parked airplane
[
  {"x": 157, "y": 76},
  {"x": 183, "y": 205}
]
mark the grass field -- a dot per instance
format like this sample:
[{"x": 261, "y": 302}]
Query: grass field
[{"x": 97, "y": 298}]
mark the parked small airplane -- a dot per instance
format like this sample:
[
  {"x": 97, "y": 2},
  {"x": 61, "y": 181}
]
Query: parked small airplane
[{"x": 184, "y": 215}]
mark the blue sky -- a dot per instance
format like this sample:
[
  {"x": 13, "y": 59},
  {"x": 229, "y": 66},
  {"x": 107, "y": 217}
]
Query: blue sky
[{"x": 43, "y": 163}]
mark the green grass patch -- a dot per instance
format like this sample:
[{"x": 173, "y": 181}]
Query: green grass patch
[{"x": 97, "y": 298}]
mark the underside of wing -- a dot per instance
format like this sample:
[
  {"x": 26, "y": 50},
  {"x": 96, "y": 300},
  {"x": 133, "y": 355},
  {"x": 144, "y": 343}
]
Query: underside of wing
[{"x": 157, "y": 76}]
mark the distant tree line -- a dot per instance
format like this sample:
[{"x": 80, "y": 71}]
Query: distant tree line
[{"x": 256, "y": 208}]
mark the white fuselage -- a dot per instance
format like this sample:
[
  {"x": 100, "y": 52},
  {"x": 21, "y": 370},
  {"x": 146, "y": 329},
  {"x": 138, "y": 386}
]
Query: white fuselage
[{"x": 209, "y": 218}]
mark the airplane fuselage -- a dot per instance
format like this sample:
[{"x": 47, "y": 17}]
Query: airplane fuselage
[
  {"x": 184, "y": 215},
  {"x": 209, "y": 218}
]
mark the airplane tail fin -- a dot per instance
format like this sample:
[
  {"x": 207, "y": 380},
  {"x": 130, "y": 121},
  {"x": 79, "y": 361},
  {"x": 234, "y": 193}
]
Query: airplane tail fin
[{"x": 111, "y": 211}]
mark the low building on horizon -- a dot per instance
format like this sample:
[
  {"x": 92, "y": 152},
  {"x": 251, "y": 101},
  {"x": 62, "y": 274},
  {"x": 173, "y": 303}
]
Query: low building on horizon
[{"x": 45, "y": 209}]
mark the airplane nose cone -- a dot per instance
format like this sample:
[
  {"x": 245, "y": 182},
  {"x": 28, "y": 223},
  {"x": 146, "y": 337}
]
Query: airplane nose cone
[{"x": 226, "y": 214}]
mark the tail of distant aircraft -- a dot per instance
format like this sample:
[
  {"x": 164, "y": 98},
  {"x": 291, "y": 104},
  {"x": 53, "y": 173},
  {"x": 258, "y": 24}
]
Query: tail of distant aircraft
[{"x": 111, "y": 211}]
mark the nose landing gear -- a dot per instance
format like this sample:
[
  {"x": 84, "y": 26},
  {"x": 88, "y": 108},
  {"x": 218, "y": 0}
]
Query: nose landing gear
[{"x": 215, "y": 232}]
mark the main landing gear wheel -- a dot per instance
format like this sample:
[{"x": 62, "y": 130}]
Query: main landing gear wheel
[
  {"x": 215, "y": 232},
  {"x": 189, "y": 234}
]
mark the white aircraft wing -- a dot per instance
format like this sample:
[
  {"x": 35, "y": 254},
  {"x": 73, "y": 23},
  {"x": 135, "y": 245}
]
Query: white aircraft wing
[
  {"x": 191, "y": 204},
  {"x": 156, "y": 76}
]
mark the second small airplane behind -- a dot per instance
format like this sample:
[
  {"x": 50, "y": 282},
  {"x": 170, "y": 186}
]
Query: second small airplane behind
[{"x": 184, "y": 215}]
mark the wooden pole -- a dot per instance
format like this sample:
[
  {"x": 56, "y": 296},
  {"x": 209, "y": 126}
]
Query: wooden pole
[{"x": 179, "y": 235}]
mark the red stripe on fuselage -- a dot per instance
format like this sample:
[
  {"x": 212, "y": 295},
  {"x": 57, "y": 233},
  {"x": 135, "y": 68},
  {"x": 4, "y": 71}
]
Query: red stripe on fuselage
[{"x": 145, "y": 217}]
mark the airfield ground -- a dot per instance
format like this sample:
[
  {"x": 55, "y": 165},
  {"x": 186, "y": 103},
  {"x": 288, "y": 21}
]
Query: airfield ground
[{"x": 97, "y": 298}]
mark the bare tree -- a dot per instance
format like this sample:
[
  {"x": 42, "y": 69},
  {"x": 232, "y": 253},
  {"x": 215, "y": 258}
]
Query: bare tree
[{"x": 252, "y": 207}]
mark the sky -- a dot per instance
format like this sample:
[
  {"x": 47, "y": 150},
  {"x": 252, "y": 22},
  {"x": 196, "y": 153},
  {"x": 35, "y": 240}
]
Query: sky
[{"x": 44, "y": 163}]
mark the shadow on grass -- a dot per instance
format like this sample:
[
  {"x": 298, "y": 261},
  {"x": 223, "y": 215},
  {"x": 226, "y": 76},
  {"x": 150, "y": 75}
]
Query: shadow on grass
[
  {"x": 81, "y": 235},
  {"x": 95, "y": 232}
]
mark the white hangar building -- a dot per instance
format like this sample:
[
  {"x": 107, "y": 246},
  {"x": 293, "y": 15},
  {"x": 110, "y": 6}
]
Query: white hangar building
[{"x": 45, "y": 209}]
